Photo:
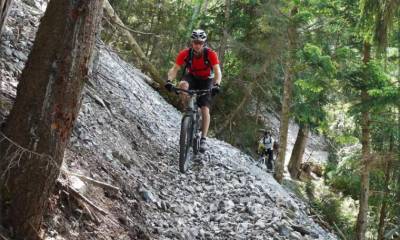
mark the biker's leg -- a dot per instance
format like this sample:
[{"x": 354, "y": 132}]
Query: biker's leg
[
  {"x": 204, "y": 104},
  {"x": 184, "y": 96},
  {"x": 261, "y": 158},
  {"x": 205, "y": 113},
  {"x": 269, "y": 162}
]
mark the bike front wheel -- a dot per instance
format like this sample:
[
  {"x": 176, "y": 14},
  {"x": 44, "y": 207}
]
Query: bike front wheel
[{"x": 185, "y": 144}]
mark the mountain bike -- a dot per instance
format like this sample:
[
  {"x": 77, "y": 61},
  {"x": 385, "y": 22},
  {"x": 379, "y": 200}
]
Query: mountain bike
[
  {"x": 263, "y": 160},
  {"x": 189, "y": 141}
]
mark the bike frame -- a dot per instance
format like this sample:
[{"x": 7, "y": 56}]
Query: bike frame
[{"x": 192, "y": 112}]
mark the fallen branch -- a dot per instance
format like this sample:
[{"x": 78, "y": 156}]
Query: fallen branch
[
  {"x": 269, "y": 196},
  {"x": 91, "y": 214},
  {"x": 91, "y": 180},
  {"x": 131, "y": 30},
  {"x": 77, "y": 195},
  {"x": 319, "y": 219},
  {"x": 3, "y": 237},
  {"x": 339, "y": 231}
]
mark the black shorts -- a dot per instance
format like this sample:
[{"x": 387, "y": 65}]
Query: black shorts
[{"x": 199, "y": 84}]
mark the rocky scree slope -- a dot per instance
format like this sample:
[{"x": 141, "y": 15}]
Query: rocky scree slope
[{"x": 127, "y": 136}]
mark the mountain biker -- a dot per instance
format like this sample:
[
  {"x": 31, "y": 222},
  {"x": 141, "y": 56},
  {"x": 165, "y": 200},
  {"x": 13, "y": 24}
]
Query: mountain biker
[
  {"x": 265, "y": 148},
  {"x": 201, "y": 71}
]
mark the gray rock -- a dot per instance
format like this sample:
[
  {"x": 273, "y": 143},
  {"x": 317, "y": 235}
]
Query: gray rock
[
  {"x": 20, "y": 55},
  {"x": 218, "y": 218},
  {"x": 10, "y": 67},
  {"x": 226, "y": 205},
  {"x": 295, "y": 236},
  {"x": 188, "y": 209},
  {"x": 213, "y": 207},
  {"x": 7, "y": 33},
  {"x": 242, "y": 227},
  {"x": 260, "y": 223},
  {"x": 5, "y": 43},
  {"x": 147, "y": 196},
  {"x": 284, "y": 230},
  {"x": 109, "y": 155},
  {"x": 7, "y": 51}
]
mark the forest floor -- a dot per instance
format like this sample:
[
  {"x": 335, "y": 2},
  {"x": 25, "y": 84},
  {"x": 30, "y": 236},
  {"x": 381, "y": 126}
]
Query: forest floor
[{"x": 126, "y": 137}]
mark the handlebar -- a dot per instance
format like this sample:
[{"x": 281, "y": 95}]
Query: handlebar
[{"x": 191, "y": 92}]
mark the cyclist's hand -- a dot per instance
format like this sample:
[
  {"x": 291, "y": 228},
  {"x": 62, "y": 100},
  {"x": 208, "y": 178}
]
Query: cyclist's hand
[
  {"x": 215, "y": 90},
  {"x": 169, "y": 85}
]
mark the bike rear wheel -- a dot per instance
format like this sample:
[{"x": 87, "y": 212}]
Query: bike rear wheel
[{"x": 185, "y": 143}]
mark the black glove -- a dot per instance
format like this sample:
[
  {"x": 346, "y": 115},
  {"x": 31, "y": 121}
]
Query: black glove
[
  {"x": 215, "y": 89},
  {"x": 169, "y": 85}
]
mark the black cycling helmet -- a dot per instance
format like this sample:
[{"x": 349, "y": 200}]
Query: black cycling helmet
[
  {"x": 199, "y": 35},
  {"x": 267, "y": 131}
]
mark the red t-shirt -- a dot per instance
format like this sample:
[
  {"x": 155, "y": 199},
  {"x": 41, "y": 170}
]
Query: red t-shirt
[{"x": 198, "y": 68}]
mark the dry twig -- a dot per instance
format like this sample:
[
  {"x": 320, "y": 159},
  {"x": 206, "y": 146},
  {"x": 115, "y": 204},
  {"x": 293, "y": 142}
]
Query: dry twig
[
  {"x": 91, "y": 180},
  {"x": 14, "y": 156},
  {"x": 79, "y": 196},
  {"x": 339, "y": 231}
]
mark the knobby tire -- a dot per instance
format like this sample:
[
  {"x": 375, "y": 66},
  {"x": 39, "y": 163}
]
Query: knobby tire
[{"x": 185, "y": 143}]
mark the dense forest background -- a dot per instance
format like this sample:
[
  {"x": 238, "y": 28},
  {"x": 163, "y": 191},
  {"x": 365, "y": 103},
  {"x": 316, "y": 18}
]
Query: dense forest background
[{"x": 333, "y": 64}]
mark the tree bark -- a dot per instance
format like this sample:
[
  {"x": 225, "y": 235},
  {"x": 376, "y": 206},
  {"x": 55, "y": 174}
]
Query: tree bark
[
  {"x": 287, "y": 98},
  {"x": 362, "y": 219},
  {"x": 196, "y": 12},
  {"x": 388, "y": 171},
  {"x": 224, "y": 40},
  {"x": 154, "y": 40},
  {"x": 47, "y": 105},
  {"x": 4, "y": 8},
  {"x": 298, "y": 152}
]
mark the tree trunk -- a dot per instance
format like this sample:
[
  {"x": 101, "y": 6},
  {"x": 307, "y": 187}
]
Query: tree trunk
[
  {"x": 298, "y": 152},
  {"x": 196, "y": 11},
  {"x": 154, "y": 39},
  {"x": 362, "y": 219},
  {"x": 388, "y": 171},
  {"x": 4, "y": 7},
  {"x": 287, "y": 96},
  {"x": 224, "y": 40},
  {"x": 205, "y": 7},
  {"x": 258, "y": 103},
  {"x": 47, "y": 105}
]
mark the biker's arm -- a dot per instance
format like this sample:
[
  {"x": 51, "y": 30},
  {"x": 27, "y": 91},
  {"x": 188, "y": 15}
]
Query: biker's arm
[
  {"x": 217, "y": 74},
  {"x": 173, "y": 72}
]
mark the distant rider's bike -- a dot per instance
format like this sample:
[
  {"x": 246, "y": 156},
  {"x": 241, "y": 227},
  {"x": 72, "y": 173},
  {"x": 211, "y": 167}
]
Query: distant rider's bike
[
  {"x": 189, "y": 142},
  {"x": 262, "y": 161}
]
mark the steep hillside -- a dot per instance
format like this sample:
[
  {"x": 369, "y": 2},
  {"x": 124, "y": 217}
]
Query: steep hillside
[{"x": 127, "y": 136}]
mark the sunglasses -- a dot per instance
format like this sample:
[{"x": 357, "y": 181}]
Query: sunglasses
[{"x": 197, "y": 42}]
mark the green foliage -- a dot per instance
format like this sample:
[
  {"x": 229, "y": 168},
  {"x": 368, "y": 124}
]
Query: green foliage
[
  {"x": 330, "y": 207},
  {"x": 313, "y": 85},
  {"x": 246, "y": 133},
  {"x": 346, "y": 139},
  {"x": 345, "y": 177}
]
